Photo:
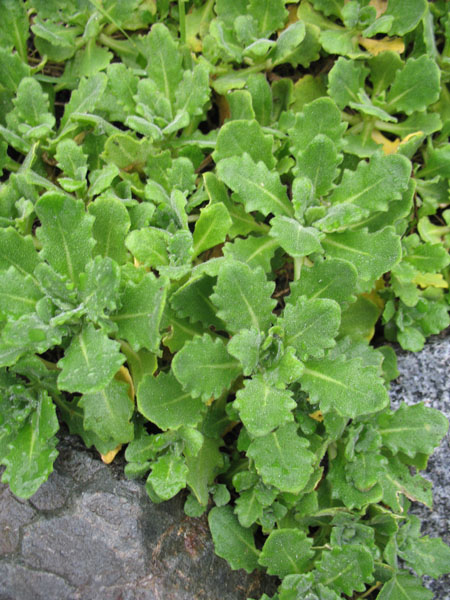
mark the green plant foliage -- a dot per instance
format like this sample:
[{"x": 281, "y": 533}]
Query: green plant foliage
[{"x": 207, "y": 211}]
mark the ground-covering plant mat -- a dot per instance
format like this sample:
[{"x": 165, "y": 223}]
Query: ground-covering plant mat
[{"x": 212, "y": 217}]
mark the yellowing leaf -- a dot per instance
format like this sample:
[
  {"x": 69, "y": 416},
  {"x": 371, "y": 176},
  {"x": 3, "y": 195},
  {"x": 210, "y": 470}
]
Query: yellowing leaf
[
  {"x": 317, "y": 416},
  {"x": 386, "y": 43},
  {"x": 430, "y": 280},
  {"x": 111, "y": 455},
  {"x": 379, "y": 5},
  {"x": 389, "y": 147},
  {"x": 123, "y": 374},
  {"x": 410, "y": 136}
]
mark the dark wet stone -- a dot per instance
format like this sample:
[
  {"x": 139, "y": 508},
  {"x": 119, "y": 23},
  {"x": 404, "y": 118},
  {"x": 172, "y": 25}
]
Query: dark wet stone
[
  {"x": 90, "y": 534},
  {"x": 13, "y": 514}
]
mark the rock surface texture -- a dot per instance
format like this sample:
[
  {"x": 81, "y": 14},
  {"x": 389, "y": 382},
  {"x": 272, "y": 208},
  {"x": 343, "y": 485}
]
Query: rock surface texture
[
  {"x": 424, "y": 377},
  {"x": 90, "y": 534}
]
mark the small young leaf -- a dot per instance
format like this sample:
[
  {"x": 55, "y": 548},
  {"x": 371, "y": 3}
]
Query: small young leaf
[
  {"x": 331, "y": 278},
  {"x": 211, "y": 228},
  {"x": 232, "y": 542},
  {"x": 345, "y": 80},
  {"x": 108, "y": 412},
  {"x": 168, "y": 476},
  {"x": 286, "y": 552},
  {"x": 346, "y": 569},
  {"x": 319, "y": 162},
  {"x": 162, "y": 401},
  {"x": 140, "y": 316},
  {"x": 238, "y": 137},
  {"x": 203, "y": 468},
  {"x": 294, "y": 238},
  {"x": 245, "y": 346},
  {"x": 84, "y": 99},
  {"x": 321, "y": 116},
  {"x": 65, "y": 233},
  {"x": 111, "y": 226}
]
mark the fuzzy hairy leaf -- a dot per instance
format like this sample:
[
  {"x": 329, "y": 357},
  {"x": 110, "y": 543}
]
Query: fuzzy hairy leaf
[
  {"x": 372, "y": 254},
  {"x": 407, "y": 93},
  {"x": 375, "y": 184},
  {"x": 204, "y": 368},
  {"x": 245, "y": 346},
  {"x": 412, "y": 429},
  {"x": 203, "y": 468},
  {"x": 258, "y": 188},
  {"x": 238, "y": 137},
  {"x": 332, "y": 278},
  {"x": 32, "y": 452},
  {"x": 108, "y": 412},
  {"x": 211, "y": 228},
  {"x": 243, "y": 297},
  {"x": 17, "y": 251},
  {"x": 282, "y": 459},
  {"x": 345, "y": 386},
  {"x": 404, "y": 585},
  {"x": 310, "y": 325},
  {"x": 139, "y": 318},
  {"x": 262, "y": 407},
  {"x": 162, "y": 401},
  {"x": 294, "y": 238},
  {"x": 427, "y": 556},
  {"x": 90, "y": 362}
]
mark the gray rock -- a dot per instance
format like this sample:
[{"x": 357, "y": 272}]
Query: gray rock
[
  {"x": 424, "y": 377},
  {"x": 90, "y": 534}
]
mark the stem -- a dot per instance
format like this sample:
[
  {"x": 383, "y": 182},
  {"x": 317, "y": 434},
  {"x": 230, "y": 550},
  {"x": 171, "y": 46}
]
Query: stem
[
  {"x": 298, "y": 264},
  {"x": 182, "y": 17},
  {"x": 50, "y": 366},
  {"x": 39, "y": 66},
  {"x": 367, "y": 129},
  {"x": 370, "y": 590}
]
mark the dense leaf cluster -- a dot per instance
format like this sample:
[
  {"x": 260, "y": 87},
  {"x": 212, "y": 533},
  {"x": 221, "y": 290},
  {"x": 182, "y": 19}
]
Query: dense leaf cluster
[{"x": 207, "y": 210}]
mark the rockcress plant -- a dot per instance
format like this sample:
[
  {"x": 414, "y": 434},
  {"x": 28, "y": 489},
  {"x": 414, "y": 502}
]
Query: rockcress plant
[{"x": 207, "y": 210}]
